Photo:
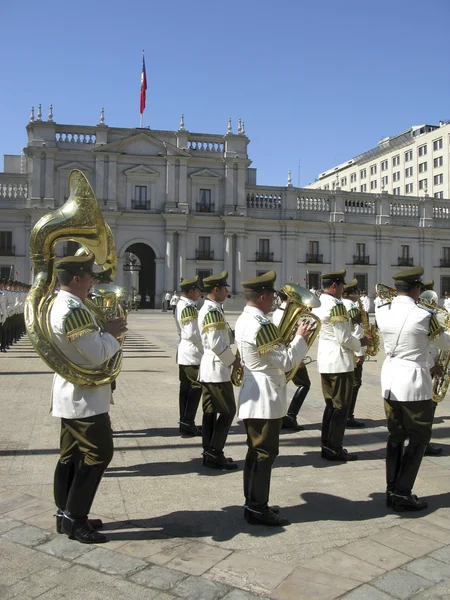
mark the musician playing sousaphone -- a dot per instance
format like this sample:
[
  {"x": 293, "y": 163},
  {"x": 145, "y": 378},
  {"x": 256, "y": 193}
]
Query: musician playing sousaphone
[
  {"x": 262, "y": 397},
  {"x": 65, "y": 331}
]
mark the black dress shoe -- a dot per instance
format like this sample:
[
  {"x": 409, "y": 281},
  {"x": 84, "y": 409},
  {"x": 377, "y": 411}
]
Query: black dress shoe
[
  {"x": 389, "y": 499},
  {"x": 81, "y": 530},
  {"x": 338, "y": 455},
  {"x": 218, "y": 461},
  {"x": 94, "y": 523},
  {"x": 191, "y": 430},
  {"x": 408, "y": 503},
  {"x": 352, "y": 422},
  {"x": 265, "y": 517},
  {"x": 291, "y": 423},
  {"x": 433, "y": 450}
]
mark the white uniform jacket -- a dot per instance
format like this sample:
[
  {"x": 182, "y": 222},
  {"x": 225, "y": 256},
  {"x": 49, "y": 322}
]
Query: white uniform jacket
[
  {"x": 263, "y": 391},
  {"x": 190, "y": 348},
  {"x": 86, "y": 347},
  {"x": 336, "y": 341},
  {"x": 3, "y": 308},
  {"x": 215, "y": 366},
  {"x": 357, "y": 329},
  {"x": 407, "y": 332}
]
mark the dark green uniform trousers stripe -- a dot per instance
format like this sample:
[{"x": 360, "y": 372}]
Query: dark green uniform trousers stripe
[{"x": 337, "y": 391}]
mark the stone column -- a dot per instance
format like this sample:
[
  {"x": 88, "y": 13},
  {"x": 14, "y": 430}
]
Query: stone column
[
  {"x": 112, "y": 182},
  {"x": 169, "y": 262},
  {"x": 338, "y": 241},
  {"x": 182, "y": 239},
  {"x": 228, "y": 259},
  {"x": 290, "y": 271},
  {"x": 49, "y": 198},
  {"x": 119, "y": 280},
  {"x": 35, "y": 195},
  {"x": 159, "y": 282},
  {"x": 384, "y": 258},
  {"x": 240, "y": 270},
  {"x": 100, "y": 178}
]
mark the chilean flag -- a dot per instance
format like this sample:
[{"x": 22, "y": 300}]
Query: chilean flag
[{"x": 143, "y": 86}]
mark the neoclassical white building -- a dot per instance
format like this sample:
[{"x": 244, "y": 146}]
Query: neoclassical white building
[{"x": 181, "y": 203}]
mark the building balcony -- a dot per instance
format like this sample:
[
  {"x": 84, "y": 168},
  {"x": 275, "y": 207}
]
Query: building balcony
[
  {"x": 264, "y": 257},
  {"x": 204, "y": 254},
  {"x": 314, "y": 258},
  {"x": 205, "y": 207},
  {"x": 8, "y": 251},
  {"x": 361, "y": 260},
  {"x": 140, "y": 205},
  {"x": 405, "y": 262},
  {"x": 445, "y": 262}
]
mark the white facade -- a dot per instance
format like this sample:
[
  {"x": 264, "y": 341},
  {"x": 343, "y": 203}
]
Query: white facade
[
  {"x": 185, "y": 202},
  {"x": 413, "y": 163}
]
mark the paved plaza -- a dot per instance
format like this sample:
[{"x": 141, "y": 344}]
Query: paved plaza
[{"x": 176, "y": 529}]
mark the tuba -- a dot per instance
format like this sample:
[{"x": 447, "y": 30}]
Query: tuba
[
  {"x": 298, "y": 305},
  {"x": 385, "y": 292},
  {"x": 79, "y": 220}
]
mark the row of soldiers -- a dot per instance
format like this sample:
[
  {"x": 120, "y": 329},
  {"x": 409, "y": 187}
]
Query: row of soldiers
[
  {"x": 12, "y": 303},
  {"x": 206, "y": 361}
]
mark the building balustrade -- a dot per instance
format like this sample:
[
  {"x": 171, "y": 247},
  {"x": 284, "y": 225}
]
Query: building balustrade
[
  {"x": 405, "y": 261},
  {"x": 82, "y": 136},
  {"x": 265, "y": 201},
  {"x": 139, "y": 205},
  {"x": 361, "y": 260},
  {"x": 264, "y": 257},
  {"x": 205, "y": 146},
  {"x": 314, "y": 258},
  {"x": 445, "y": 262},
  {"x": 204, "y": 254},
  {"x": 8, "y": 251},
  {"x": 205, "y": 207},
  {"x": 13, "y": 187}
]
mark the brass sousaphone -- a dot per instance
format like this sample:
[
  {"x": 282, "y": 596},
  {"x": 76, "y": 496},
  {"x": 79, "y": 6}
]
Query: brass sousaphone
[{"x": 79, "y": 220}]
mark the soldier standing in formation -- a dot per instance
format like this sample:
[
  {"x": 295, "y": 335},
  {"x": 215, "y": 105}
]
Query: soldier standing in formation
[
  {"x": 262, "y": 397},
  {"x": 189, "y": 355},
  {"x": 219, "y": 406},
  {"x": 407, "y": 386},
  {"x": 336, "y": 365},
  {"x": 12, "y": 303}
]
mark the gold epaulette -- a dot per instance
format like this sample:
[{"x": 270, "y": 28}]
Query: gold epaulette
[
  {"x": 436, "y": 329},
  {"x": 190, "y": 313},
  {"x": 213, "y": 320},
  {"x": 353, "y": 312},
  {"x": 268, "y": 338},
  {"x": 78, "y": 322},
  {"x": 339, "y": 314}
]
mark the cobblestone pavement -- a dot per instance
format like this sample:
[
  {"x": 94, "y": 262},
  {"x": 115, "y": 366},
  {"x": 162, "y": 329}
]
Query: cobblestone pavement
[{"x": 176, "y": 529}]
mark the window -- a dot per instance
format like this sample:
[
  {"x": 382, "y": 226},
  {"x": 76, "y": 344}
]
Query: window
[
  {"x": 373, "y": 170},
  {"x": 445, "y": 262},
  {"x": 203, "y": 273},
  {"x": 362, "y": 280},
  {"x": 204, "y": 249},
  {"x": 404, "y": 256},
  {"x": 264, "y": 253},
  {"x": 353, "y": 178},
  {"x": 384, "y": 181},
  {"x": 396, "y": 176},
  {"x": 396, "y": 191},
  {"x": 140, "y": 197},
  {"x": 439, "y": 194},
  {"x": 422, "y": 150},
  {"x": 362, "y": 174},
  {"x": 373, "y": 185},
  {"x": 409, "y": 172},
  {"x": 343, "y": 181},
  {"x": 438, "y": 162},
  {"x": 438, "y": 179},
  {"x": 314, "y": 280},
  {"x": 445, "y": 285},
  {"x": 437, "y": 144},
  {"x": 423, "y": 184},
  {"x": 408, "y": 155},
  {"x": 314, "y": 248},
  {"x": 326, "y": 187},
  {"x": 5, "y": 273},
  {"x": 409, "y": 188},
  {"x": 204, "y": 203},
  {"x": 384, "y": 165},
  {"x": 396, "y": 160},
  {"x": 423, "y": 167},
  {"x": 363, "y": 187},
  {"x": 6, "y": 248},
  {"x": 353, "y": 189}
]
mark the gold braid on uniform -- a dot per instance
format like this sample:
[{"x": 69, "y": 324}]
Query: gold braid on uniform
[
  {"x": 268, "y": 338},
  {"x": 189, "y": 313},
  {"x": 213, "y": 320},
  {"x": 339, "y": 314},
  {"x": 436, "y": 328},
  {"x": 79, "y": 322}
]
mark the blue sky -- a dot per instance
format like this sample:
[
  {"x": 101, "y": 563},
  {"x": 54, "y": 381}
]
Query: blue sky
[{"x": 315, "y": 82}]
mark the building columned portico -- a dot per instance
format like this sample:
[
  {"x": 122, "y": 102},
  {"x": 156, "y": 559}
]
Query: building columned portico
[{"x": 184, "y": 203}]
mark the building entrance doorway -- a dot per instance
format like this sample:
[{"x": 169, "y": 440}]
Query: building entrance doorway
[{"x": 140, "y": 274}]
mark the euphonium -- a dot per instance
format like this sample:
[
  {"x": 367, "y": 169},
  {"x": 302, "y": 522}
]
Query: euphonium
[
  {"x": 385, "y": 292},
  {"x": 79, "y": 220}
]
